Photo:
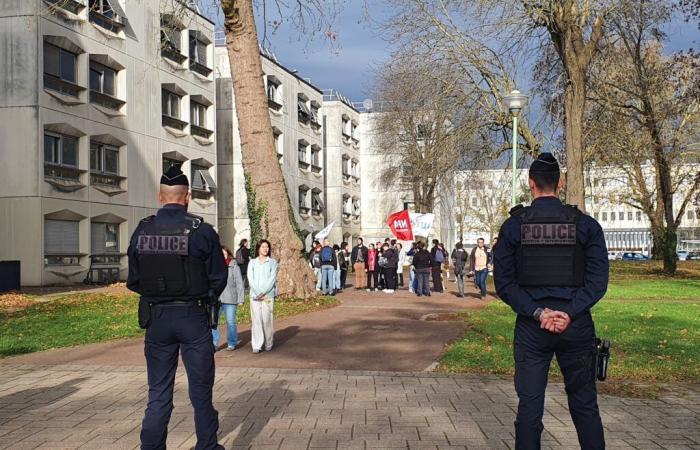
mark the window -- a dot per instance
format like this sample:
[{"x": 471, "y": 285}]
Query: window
[
  {"x": 355, "y": 169},
  {"x": 356, "y": 207},
  {"x": 104, "y": 238},
  {"x": 168, "y": 163},
  {"x": 639, "y": 216},
  {"x": 61, "y": 242},
  {"x": 274, "y": 92},
  {"x": 621, "y": 215},
  {"x": 102, "y": 14},
  {"x": 316, "y": 202},
  {"x": 315, "y": 121},
  {"x": 202, "y": 179},
  {"x": 691, "y": 214},
  {"x": 171, "y": 104},
  {"x": 74, "y": 6},
  {"x": 304, "y": 113},
  {"x": 595, "y": 216},
  {"x": 629, "y": 215},
  {"x": 316, "y": 158},
  {"x": 303, "y": 161},
  {"x": 346, "y": 166},
  {"x": 102, "y": 78},
  {"x": 303, "y": 199},
  {"x": 347, "y": 206},
  {"x": 353, "y": 132},
  {"x": 605, "y": 217},
  {"x": 279, "y": 144},
  {"x": 198, "y": 114},
  {"x": 60, "y": 70},
  {"x": 171, "y": 40},
  {"x": 347, "y": 129},
  {"x": 60, "y": 150},
  {"x": 198, "y": 54},
  {"x": 104, "y": 159}
]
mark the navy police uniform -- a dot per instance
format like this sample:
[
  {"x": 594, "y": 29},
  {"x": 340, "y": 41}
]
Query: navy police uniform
[
  {"x": 550, "y": 255},
  {"x": 175, "y": 263}
]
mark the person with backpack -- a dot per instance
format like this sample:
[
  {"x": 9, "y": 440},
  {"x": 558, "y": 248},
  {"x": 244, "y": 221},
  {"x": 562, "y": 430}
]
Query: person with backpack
[
  {"x": 242, "y": 258},
  {"x": 233, "y": 295},
  {"x": 459, "y": 261},
  {"x": 372, "y": 268},
  {"x": 315, "y": 262},
  {"x": 329, "y": 261},
  {"x": 437, "y": 257}
]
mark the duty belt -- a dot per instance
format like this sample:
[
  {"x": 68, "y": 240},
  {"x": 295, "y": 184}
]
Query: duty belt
[{"x": 199, "y": 303}]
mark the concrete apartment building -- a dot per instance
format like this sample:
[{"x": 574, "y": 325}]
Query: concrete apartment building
[
  {"x": 379, "y": 200},
  {"x": 484, "y": 196},
  {"x": 99, "y": 97},
  {"x": 317, "y": 152}
]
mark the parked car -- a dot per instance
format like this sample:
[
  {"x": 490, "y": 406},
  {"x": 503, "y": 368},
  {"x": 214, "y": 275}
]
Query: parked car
[
  {"x": 613, "y": 255},
  {"x": 632, "y": 256},
  {"x": 682, "y": 255},
  {"x": 693, "y": 256}
]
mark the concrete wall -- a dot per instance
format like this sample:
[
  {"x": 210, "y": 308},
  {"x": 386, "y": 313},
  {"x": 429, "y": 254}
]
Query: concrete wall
[{"x": 27, "y": 109}]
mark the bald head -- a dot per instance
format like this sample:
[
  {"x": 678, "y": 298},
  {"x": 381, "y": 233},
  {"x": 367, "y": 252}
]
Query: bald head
[{"x": 174, "y": 194}]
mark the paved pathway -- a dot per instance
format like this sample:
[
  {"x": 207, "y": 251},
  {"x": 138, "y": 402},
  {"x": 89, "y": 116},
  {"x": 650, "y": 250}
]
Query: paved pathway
[
  {"x": 93, "y": 396},
  {"x": 67, "y": 407}
]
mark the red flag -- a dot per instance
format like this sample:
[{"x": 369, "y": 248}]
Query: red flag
[{"x": 400, "y": 224}]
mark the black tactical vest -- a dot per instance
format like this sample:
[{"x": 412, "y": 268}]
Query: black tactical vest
[
  {"x": 549, "y": 254},
  {"x": 166, "y": 268}
]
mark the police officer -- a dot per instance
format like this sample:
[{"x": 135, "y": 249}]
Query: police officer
[
  {"x": 176, "y": 264},
  {"x": 551, "y": 267}
]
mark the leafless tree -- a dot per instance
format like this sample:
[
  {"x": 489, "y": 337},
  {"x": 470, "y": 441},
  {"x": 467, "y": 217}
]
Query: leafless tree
[{"x": 646, "y": 112}]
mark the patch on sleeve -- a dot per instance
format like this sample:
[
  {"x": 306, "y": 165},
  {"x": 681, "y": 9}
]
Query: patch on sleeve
[
  {"x": 548, "y": 234},
  {"x": 162, "y": 245}
]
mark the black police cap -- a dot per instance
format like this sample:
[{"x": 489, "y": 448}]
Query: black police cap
[
  {"x": 545, "y": 163},
  {"x": 174, "y": 177}
]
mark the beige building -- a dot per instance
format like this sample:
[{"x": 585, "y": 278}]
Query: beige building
[
  {"x": 99, "y": 97},
  {"x": 317, "y": 152}
]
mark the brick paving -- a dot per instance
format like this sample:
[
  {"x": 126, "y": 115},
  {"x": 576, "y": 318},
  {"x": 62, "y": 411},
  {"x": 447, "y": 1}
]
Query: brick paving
[{"x": 101, "y": 407}]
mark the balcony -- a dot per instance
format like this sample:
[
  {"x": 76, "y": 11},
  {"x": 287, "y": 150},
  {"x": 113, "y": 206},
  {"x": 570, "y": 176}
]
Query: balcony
[
  {"x": 197, "y": 67},
  {"x": 112, "y": 22},
  {"x": 316, "y": 212},
  {"x": 315, "y": 124},
  {"x": 315, "y": 168},
  {"x": 272, "y": 104},
  {"x": 174, "y": 122},
  {"x": 202, "y": 132},
  {"x": 61, "y": 86},
  {"x": 304, "y": 209},
  {"x": 106, "y": 100},
  {"x": 303, "y": 165},
  {"x": 63, "y": 178},
  {"x": 74, "y": 6},
  {"x": 171, "y": 52}
]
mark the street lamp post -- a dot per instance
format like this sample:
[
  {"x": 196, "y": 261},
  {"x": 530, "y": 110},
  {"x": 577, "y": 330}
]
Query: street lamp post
[{"x": 515, "y": 102}]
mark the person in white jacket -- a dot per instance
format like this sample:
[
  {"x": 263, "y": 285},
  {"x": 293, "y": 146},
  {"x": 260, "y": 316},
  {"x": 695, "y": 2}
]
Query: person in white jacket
[
  {"x": 233, "y": 295},
  {"x": 262, "y": 278}
]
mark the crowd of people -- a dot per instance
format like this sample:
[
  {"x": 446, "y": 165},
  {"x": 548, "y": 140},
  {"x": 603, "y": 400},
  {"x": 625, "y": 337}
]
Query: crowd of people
[{"x": 380, "y": 266}]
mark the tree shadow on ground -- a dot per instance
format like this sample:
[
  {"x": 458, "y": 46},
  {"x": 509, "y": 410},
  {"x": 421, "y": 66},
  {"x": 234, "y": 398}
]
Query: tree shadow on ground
[{"x": 43, "y": 396}]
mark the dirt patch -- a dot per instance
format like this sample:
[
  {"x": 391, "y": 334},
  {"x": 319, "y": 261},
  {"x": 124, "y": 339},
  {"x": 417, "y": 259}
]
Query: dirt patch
[
  {"x": 631, "y": 390},
  {"x": 441, "y": 317}
]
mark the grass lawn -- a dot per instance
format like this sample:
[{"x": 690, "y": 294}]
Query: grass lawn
[
  {"x": 654, "y": 326},
  {"x": 87, "y": 318}
]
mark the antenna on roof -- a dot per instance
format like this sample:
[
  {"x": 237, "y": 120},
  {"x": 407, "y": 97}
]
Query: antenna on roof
[{"x": 367, "y": 104}]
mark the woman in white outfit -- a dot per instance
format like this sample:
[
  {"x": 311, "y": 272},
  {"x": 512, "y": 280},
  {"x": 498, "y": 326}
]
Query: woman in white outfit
[{"x": 262, "y": 276}]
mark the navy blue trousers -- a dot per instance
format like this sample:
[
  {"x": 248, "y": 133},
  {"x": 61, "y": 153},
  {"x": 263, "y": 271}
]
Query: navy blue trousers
[
  {"x": 172, "y": 329},
  {"x": 576, "y": 351}
]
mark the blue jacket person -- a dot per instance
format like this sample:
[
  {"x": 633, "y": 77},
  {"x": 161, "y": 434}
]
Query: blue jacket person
[
  {"x": 175, "y": 264},
  {"x": 551, "y": 267}
]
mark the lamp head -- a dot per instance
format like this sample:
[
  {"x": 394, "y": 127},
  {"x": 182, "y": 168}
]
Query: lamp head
[{"x": 515, "y": 101}]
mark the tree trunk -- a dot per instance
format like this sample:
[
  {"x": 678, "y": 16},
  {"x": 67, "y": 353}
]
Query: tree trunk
[
  {"x": 295, "y": 279},
  {"x": 665, "y": 242},
  {"x": 574, "y": 107}
]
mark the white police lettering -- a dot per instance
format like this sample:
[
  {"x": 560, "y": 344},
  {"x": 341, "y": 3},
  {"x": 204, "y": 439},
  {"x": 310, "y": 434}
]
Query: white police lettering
[
  {"x": 162, "y": 245},
  {"x": 548, "y": 234}
]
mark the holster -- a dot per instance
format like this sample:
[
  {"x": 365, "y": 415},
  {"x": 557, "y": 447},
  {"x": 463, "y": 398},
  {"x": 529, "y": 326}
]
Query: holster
[
  {"x": 144, "y": 314},
  {"x": 213, "y": 310},
  {"x": 602, "y": 358}
]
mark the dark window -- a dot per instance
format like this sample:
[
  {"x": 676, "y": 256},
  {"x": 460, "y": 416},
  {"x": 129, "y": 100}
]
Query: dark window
[
  {"x": 59, "y": 62},
  {"x": 60, "y": 150},
  {"x": 315, "y": 156},
  {"x": 171, "y": 104},
  {"x": 201, "y": 178},
  {"x": 303, "y": 194},
  {"x": 612, "y": 216},
  {"x": 102, "y": 79},
  {"x": 104, "y": 238},
  {"x": 104, "y": 158},
  {"x": 198, "y": 50},
  {"x": 168, "y": 163},
  {"x": 605, "y": 217},
  {"x": 102, "y": 14},
  {"x": 639, "y": 216},
  {"x": 316, "y": 202}
]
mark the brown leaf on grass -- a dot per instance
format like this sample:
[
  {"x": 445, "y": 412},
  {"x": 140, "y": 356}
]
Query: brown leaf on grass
[{"x": 14, "y": 300}]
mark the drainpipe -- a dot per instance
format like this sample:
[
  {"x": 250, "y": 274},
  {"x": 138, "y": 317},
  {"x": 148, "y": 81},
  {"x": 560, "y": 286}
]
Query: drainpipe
[{"x": 325, "y": 175}]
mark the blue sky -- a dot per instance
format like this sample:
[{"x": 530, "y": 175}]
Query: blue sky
[{"x": 348, "y": 65}]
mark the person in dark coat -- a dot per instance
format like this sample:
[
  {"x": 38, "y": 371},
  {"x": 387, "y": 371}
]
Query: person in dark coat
[
  {"x": 392, "y": 262},
  {"x": 437, "y": 256},
  {"x": 459, "y": 262},
  {"x": 422, "y": 263}
]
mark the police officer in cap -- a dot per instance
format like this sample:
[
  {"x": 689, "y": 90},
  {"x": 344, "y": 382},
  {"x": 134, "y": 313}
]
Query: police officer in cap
[
  {"x": 176, "y": 265},
  {"x": 551, "y": 267}
]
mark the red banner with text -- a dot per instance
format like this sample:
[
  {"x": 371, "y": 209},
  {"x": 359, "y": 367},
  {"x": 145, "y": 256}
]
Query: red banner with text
[{"x": 400, "y": 224}]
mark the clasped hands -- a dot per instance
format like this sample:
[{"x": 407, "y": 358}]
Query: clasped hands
[{"x": 554, "y": 321}]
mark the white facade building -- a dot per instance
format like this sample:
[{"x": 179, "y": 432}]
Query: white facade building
[{"x": 96, "y": 101}]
